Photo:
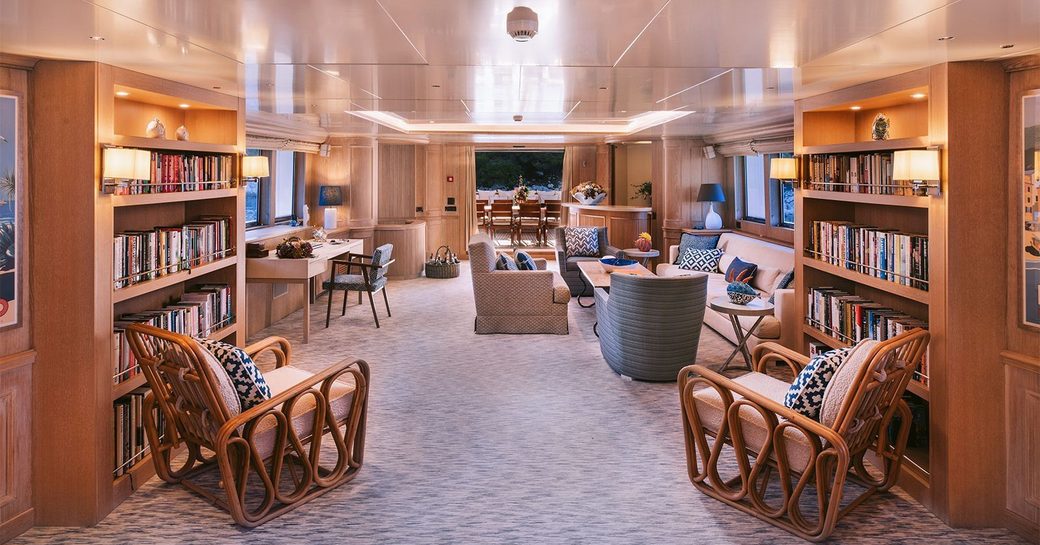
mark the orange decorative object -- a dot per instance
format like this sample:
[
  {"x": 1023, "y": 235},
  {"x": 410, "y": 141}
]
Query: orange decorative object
[{"x": 644, "y": 243}]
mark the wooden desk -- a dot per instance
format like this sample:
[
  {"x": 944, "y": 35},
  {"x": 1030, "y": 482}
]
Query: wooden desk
[{"x": 272, "y": 270}]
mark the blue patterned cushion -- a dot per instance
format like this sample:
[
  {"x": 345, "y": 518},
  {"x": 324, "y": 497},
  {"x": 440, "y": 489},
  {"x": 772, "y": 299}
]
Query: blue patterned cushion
[
  {"x": 353, "y": 282},
  {"x": 249, "y": 383},
  {"x": 525, "y": 262},
  {"x": 505, "y": 263},
  {"x": 700, "y": 260},
  {"x": 690, "y": 241},
  {"x": 784, "y": 283},
  {"x": 740, "y": 271},
  {"x": 581, "y": 241},
  {"x": 806, "y": 393}
]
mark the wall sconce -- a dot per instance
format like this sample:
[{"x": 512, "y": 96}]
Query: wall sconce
[
  {"x": 783, "y": 168},
  {"x": 255, "y": 166},
  {"x": 919, "y": 167},
  {"x": 330, "y": 196},
  {"x": 121, "y": 165}
]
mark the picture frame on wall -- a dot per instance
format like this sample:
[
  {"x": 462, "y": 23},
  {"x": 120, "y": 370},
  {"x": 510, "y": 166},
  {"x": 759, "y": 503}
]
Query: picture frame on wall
[
  {"x": 12, "y": 144},
  {"x": 1030, "y": 253}
]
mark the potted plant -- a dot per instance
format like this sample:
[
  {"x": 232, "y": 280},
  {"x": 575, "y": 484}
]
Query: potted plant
[
  {"x": 643, "y": 191},
  {"x": 589, "y": 193}
]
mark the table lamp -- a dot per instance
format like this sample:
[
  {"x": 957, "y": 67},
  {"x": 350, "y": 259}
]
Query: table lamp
[
  {"x": 711, "y": 193},
  {"x": 330, "y": 196}
]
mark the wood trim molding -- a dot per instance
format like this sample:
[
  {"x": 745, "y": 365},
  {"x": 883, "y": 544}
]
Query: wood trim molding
[
  {"x": 17, "y": 525},
  {"x": 1014, "y": 359},
  {"x": 1020, "y": 64},
  {"x": 14, "y": 361}
]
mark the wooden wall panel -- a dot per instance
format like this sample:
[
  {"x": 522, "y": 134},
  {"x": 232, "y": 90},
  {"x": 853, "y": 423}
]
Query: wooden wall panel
[
  {"x": 16, "y": 513},
  {"x": 678, "y": 168},
  {"x": 397, "y": 175}
]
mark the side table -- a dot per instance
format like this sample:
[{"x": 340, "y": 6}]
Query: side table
[
  {"x": 757, "y": 307},
  {"x": 635, "y": 253}
]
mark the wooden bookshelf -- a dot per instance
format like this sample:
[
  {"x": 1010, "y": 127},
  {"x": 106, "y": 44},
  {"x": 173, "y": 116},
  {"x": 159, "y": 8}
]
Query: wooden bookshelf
[
  {"x": 952, "y": 474},
  {"x": 78, "y": 302}
]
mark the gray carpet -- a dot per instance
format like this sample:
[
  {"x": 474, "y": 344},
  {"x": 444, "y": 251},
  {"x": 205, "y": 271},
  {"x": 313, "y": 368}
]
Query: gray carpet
[{"x": 497, "y": 439}]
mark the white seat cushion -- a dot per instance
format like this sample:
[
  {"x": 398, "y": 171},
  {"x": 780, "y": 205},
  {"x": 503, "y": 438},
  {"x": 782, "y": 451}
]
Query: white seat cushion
[
  {"x": 285, "y": 378},
  {"x": 841, "y": 383}
]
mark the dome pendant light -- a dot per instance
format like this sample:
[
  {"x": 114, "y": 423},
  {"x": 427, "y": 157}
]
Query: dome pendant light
[{"x": 522, "y": 23}]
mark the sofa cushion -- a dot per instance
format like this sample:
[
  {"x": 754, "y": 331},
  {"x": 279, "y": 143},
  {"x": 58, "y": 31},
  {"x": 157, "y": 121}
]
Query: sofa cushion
[
  {"x": 525, "y": 262},
  {"x": 740, "y": 271},
  {"x": 700, "y": 260},
  {"x": 841, "y": 383},
  {"x": 581, "y": 241},
  {"x": 806, "y": 393},
  {"x": 782, "y": 284},
  {"x": 246, "y": 377},
  {"x": 724, "y": 262},
  {"x": 765, "y": 278},
  {"x": 505, "y": 263},
  {"x": 690, "y": 241},
  {"x": 763, "y": 253}
]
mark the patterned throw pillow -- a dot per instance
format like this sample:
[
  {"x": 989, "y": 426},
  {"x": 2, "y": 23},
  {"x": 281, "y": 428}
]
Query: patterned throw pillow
[
  {"x": 740, "y": 271},
  {"x": 249, "y": 383},
  {"x": 581, "y": 241},
  {"x": 525, "y": 262},
  {"x": 806, "y": 393},
  {"x": 783, "y": 284},
  {"x": 690, "y": 241},
  {"x": 700, "y": 260},
  {"x": 505, "y": 263}
]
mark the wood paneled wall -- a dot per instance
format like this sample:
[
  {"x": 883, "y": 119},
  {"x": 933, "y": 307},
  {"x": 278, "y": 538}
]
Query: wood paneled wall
[
  {"x": 16, "y": 350},
  {"x": 678, "y": 168},
  {"x": 397, "y": 175}
]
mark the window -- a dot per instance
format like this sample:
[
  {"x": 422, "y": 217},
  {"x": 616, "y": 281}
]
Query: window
[
  {"x": 754, "y": 189},
  {"x": 764, "y": 200},
  {"x": 274, "y": 199},
  {"x": 500, "y": 170}
]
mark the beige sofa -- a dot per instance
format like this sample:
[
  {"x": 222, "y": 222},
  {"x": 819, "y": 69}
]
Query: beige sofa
[
  {"x": 774, "y": 261},
  {"x": 516, "y": 301}
]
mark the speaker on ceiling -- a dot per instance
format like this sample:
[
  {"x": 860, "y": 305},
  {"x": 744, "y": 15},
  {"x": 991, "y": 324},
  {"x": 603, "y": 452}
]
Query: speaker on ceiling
[{"x": 709, "y": 152}]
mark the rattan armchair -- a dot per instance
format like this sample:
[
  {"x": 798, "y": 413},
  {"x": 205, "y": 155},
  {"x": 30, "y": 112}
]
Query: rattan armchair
[
  {"x": 772, "y": 455},
  {"x": 268, "y": 459}
]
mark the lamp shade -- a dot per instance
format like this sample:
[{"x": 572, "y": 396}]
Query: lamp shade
[
  {"x": 711, "y": 193},
  {"x": 918, "y": 164},
  {"x": 330, "y": 195},
  {"x": 120, "y": 163},
  {"x": 783, "y": 168},
  {"x": 142, "y": 164},
  {"x": 255, "y": 166}
]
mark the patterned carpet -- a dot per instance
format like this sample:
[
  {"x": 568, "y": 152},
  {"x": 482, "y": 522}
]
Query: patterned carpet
[{"x": 497, "y": 439}]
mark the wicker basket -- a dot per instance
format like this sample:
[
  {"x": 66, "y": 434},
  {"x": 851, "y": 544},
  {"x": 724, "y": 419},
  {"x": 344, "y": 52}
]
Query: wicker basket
[{"x": 442, "y": 265}]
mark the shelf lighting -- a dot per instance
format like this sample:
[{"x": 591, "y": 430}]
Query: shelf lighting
[
  {"x": 124, "y": 164},
  {"x": 919, "y": 167},
  {"x": 255, "y": 166},
  {"x": 122, "y": 93},
  {"x": 856, "y": 108},
  {"x": 917, "y": 96},
  {"x": 184, "y": 105}
]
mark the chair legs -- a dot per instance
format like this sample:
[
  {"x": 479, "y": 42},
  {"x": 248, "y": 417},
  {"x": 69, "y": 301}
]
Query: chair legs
[
  {"x": 371, "y": 302},
  {"x": 387, "y": 302},
  {"x": 328, "y": 311}
]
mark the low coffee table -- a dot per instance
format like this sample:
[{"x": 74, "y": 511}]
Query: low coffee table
[
  {"x": 593, "y": 274},
  {"x": 756, "y": 307}
]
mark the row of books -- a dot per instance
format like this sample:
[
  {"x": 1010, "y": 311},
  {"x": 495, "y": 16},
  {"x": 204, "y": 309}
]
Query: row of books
[
  {"x": 183, "y": 172},
  {"x": 882, "y": 253},
  {"x": 131, "y": 444},
  {"x": 850, "y": 319},
  {"x": 862, "y": 173},
  {"x": 199, "y": 312},
  {"x": 139, "y": 256}
]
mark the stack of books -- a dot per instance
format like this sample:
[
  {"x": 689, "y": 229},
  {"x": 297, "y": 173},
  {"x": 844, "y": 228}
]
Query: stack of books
[
  {"x": 850, "y": 319},
  {"x": 131, "y": 444},
  {"x": 855, "y": 173},
  {"x": 139, "y": 256},
  {"x": 183, "y": 172},
  {"x": 882, "y": 253},
  {"x": 200, "y": 311}
]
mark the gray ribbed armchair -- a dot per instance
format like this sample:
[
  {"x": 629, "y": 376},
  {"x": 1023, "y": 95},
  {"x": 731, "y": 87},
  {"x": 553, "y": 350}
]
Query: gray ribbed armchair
[
  {"x": 649, "y": 327},
  {"x": 569, "y": 265}
]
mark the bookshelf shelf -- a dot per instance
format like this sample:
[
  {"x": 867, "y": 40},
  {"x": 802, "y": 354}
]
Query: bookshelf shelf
[
  {"x": 915, "y": 387},
  {"x": 176, "y": 196},
  {"x": 918, "y": 389},
  {"x": 870, "y": 145},
  {"x": 906, "y": 292},
  {"x": 907, "y": 201},
  {"x": 136, "y": 290},
  {"x": 170, "y": 145},
  {"x": 127, "y": 386}
]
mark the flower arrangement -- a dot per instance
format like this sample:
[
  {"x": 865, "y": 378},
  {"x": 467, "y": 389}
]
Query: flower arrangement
[
  {"x": 294, "y": 248},
  {"x": 644, "y": 242},
  {"x": 589, "y": 193},
  {"x": 520, "y": 192}
]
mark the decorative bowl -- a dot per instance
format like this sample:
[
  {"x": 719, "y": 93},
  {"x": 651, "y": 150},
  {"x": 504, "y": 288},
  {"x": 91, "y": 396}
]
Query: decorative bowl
[
  {"x": 741, "y": 293},
  {"x": 581, "y": 198},
  {"x": 611, "y": 263}
]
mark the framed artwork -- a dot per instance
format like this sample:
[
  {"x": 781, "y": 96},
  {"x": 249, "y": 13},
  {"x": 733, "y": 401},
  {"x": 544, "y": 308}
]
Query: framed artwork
[
  {"x": 1031, "y": 210},
  {"x": 10, "y": 228}
]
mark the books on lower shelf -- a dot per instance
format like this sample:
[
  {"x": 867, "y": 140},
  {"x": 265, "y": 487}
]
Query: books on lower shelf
[
  {"x": 855, "y": 173},
  {"x": 139, "y": 256},
  {"x": 887, "y": 254},
  {"x": 131, "y": 442},
  {"x": 850, "y": 319},
  {"x": 174, "y": 172},
  {"x": 199, "y": 312}
]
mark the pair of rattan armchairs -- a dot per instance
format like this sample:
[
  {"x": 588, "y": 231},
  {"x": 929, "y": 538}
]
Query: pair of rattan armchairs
[
  {"x": 745, "y": 448},
  {"x": 304, "y": 441}
]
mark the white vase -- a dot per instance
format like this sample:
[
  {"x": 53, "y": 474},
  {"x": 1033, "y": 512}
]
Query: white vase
[
  {"x": 713, "y": 220},
  {"x": 181, "y": 133},
  {"x": 155, "y": 129}
]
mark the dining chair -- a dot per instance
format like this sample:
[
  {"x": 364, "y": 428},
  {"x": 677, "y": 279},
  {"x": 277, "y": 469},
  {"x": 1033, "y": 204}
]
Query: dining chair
[
  {"x": 481, "y": 213},
  {"x": 553, "y": 218},
  {"x": 529, "y": 220},
  {"x": 502, "y": 220}
]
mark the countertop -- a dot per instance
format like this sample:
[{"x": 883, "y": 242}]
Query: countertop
[{"x": 609, "y": 207}]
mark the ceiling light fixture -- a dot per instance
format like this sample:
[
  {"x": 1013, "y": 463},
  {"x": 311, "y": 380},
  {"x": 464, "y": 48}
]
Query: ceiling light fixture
[
  {"x": 1007, "y": 46},
  {"x": 917, "y": 96},
  {"x": 217, "y": 87},
  {"x": 435, "y": 86},
  {"x": 98, "y": 38},
  {"x": 182, "y": 106},
  {"x": 856, "y": 108},
  {"x": 122, "y": 93},
  {"x": 602, "y": 88},
  {"x": 518, "y": 118},
  {"x": 522, "y": 24},
  {"x": 946, "y": 38}
]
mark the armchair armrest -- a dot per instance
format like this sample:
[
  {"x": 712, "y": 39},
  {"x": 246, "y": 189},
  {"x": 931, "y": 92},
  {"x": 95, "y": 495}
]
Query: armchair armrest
[
  {"x": 612, "y": 251},
  {"x": 770, "y": 351},
  {"x": 279, "y": 346},
  {"x": 364, "y": 265},
  {"x": 541, "y": 264},
  {"x": 786, "y": 311}
]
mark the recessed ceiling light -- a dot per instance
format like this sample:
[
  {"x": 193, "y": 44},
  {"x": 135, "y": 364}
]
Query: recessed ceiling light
[
  {"x": 122, "y": 94},
  {"x": 946, "y": 38},
  {"x": 623, "y": 111},
  {"x": 216, "y": 87},
  {"x": 770, "y": 88},
  {"x": 602, "y": 88},
  {"x": 98, "y": 38},
  {"x": 1007, "y": 46},
  {"x": 917, "y": 96},
  {"x": 435, "y": 86},
  {"x": 184, "y": 105},
  {"x": 855, "y": 108},
  {"x": 432, "y": 121}
]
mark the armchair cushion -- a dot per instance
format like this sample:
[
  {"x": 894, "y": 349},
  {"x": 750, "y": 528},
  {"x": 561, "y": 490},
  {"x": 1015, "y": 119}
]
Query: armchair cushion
[
  {"x": 582, "y": 241},
  {"x": 353, "y": 282},
  {"x": 225, "y": 389},
  {"x": 806, "y": 392},
  {"x": 284, "y": 378},
  {"x": 505, "y": 263},
  {"x": 525, "y": 262},
  {"x": 700, "y": 260},
  {"x": 689, "y": 241},
  {"x": 842, "y": 381},
  {"x": 246, "y": 377}
]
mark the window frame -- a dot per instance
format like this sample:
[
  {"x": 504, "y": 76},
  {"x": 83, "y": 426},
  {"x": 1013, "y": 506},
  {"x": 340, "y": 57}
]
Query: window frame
[
  {"x": 266, "y": 191},
  {"x": 773, "y": 226}
]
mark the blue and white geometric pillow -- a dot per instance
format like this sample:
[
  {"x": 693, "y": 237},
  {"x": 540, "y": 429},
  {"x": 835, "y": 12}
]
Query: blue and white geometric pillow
[
  {"x": 525, "y": 262},
  {"x": 806, "y": 393},
  {"x": 690, "y": 241},
  {"x": 505, "y": 263},
  {"x": 581, "y": 241},
  {"x": 700, "y": 260},
  {"x": 249, "y": 383}
]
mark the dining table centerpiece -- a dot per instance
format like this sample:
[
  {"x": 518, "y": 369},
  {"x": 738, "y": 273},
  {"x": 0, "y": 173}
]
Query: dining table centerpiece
[
  {"x": 589, "y": 193},
  {"x": 520, "y": 191}
]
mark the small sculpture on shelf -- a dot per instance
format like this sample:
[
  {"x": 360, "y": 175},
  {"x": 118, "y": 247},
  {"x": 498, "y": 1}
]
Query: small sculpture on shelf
[
  {"x": 182, "y": 133},
  {"x": 741, "y": 293},
  {"x": 880, "y": 129},
  {"x": 294, "y": 248},
  {"x": 155, "y": 129}
]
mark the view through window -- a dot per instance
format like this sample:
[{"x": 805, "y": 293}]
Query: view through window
[
  {"x": 759, "y": 189},
  {"x": 501, "y": 170}
]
